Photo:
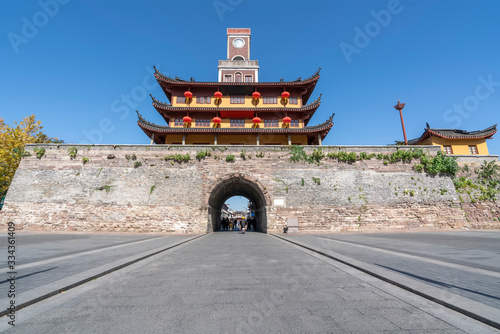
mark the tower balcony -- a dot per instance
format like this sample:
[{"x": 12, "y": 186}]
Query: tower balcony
[{"x": 250, "y": 64}]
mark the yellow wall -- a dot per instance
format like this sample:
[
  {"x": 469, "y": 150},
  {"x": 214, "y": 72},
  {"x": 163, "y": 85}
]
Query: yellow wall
[
  {"x": 226, "y": 123},
  {"x": 299, "y": 140},
  {"x": 459, "y": 146},
  {"x": 173, "y": 139},
  {"x": 226, "y": 103},
  {"x": 282, "y": 139},
  {"x": 192, "y": 139}
]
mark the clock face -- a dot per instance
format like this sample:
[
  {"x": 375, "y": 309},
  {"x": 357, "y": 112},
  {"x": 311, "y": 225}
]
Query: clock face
[{"x": 238, "y": 43}]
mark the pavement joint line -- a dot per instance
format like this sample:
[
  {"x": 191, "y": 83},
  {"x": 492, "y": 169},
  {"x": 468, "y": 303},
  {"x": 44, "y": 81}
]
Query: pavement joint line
[
  {"x": 470, "y": 311},
  {"x": 420, "y": 258},
  {"x": 88, "y": 279},
  {"x": 429, "y": 307},
  {"x": 65, "y": 257}
]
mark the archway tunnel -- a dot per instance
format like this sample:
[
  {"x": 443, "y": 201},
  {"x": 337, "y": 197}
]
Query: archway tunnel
[{"x": 236, "y": 186}]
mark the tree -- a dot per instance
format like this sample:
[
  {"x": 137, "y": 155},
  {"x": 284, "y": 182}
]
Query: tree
[{"x": 12, "y": 142}]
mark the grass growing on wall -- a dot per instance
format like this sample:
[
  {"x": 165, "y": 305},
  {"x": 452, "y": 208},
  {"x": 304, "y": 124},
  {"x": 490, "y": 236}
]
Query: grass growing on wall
[
  {"x": 480, "y": 184},
  {"x": 440, "y": 164}
]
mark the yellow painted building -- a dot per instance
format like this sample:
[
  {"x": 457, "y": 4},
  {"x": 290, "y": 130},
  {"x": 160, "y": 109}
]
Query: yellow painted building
[
  {"x": 237, "y": 109},
  {"x": 458, "y": 142}
]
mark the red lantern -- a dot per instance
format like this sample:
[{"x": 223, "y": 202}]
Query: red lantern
[
  {"x": 186, "y": 119},
  {"x": 287, "y": 120},
  {"x": 285, "y": 95},
  {"x": 255, "y": 95},
  {"x": 188, "y": 94},
  {"x": 216, "y": 120},
  {"x": 256, "y": 120},
  {"x": 218, "y": 95}
]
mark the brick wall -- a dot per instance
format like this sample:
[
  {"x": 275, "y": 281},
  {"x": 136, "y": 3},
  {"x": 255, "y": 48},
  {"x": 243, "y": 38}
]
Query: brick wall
[{"x": 482, "y": 215}]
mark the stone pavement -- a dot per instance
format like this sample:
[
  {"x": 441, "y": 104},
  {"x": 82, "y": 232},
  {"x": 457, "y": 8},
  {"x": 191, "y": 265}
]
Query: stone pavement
[
  {"x": 462, "y": 263},
  {"x": 235, "y": 283},
  {"x": 46, "y": 263}
]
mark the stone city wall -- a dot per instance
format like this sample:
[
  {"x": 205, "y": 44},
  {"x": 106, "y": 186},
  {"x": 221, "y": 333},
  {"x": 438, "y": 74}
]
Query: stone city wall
[
  {"x": 479, "y": 213},
  {"x": 132, "y": 188}
]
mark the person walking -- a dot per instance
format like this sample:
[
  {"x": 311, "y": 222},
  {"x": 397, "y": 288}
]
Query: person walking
[{"x": 243, "y": 226}]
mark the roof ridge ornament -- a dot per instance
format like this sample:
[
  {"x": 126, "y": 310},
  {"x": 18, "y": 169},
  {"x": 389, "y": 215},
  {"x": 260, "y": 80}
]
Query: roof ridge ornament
[
  {"x": 318, "y": 100},
  {"x": 328, "y": 122},
  {"x": 139, "y": 115}
]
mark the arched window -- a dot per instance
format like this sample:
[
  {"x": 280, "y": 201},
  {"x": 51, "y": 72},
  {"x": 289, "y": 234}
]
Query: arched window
[
  {"x": 238, "y": 58},
  {"x": 238, "y": 77}
]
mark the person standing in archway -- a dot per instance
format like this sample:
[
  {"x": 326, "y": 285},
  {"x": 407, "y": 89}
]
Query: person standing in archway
[{"x": 243, "y": 226}]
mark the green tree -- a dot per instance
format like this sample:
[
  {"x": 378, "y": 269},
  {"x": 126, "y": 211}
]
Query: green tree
[{"x": 12, "y": 142}]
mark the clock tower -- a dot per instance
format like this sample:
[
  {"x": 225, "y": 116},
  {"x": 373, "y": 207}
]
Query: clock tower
[{"x": 238, "y": 67}]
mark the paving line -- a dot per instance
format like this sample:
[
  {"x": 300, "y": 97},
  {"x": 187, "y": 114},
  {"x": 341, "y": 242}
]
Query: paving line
[
  {"x": 66, "y": 257},
  {"x": 88, "y": 279},
  {"x": 420, "y": 258},
  {"x": 464, "y": 308}
]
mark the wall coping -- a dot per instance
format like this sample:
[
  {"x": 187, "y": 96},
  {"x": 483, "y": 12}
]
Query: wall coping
[
  {"x": 475, "y": 158},
  {"x": 429, "y": 148}
]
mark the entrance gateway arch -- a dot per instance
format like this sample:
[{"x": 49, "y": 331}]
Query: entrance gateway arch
[{"x": 237, "y": 186}]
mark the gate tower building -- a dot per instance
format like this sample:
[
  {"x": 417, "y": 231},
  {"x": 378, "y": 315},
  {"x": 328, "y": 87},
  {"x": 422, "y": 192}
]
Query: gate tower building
[{"x": 237, "y": 109}]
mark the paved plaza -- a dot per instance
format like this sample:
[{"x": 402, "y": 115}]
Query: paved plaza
[
  {"x": 463, "y": 263},
  {"x": 229, "y": 282}
]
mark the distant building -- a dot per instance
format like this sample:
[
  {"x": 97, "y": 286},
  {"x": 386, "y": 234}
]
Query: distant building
[
  {"x": 237, "y": 109},
  {"x": 458, "y": 142},
  {"x": 225, "y": 213},
  {"x": 238, "y": 215}
]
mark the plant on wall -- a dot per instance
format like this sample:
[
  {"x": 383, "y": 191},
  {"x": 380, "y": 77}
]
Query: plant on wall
[
  {"x": 105, "y": 187},
  {"x": 486, "y": 185},
  {"x": 440, "y": 164},
  {"x": 230, "y": 158},
  {"x": 297, "y": 153},
  {"x": 203, "y": 154},
  {"x": 488, "y": 171},
  {"x": 178, "y": 157},
  {"x": 39, "y": 151},
  {"x": 132, "y": 157},
  {"x": 72, "y": 151},
  {"x": 284, "y": 183},
  {"x": 343, "y": 156},
  {"x": 243, "y": 154}
]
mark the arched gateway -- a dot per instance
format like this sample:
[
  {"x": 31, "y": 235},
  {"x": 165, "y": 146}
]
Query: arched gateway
[{"x": 237, "y": 186}]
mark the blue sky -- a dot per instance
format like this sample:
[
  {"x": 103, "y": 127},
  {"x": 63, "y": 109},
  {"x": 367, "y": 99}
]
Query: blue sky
[
  {"x": 84, "y": 66},
  {"x": 237, "y": 203}
]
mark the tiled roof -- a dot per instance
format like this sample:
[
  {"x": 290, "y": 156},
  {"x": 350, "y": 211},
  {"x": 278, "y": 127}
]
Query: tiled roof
[
  {"x": 166, "y": 82},
  {"x": 455, "y": 134},
  {"x": 168, "y": 107},
  {"x": 145, "y": 125},
  {"x": 192, "y": 82}
]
